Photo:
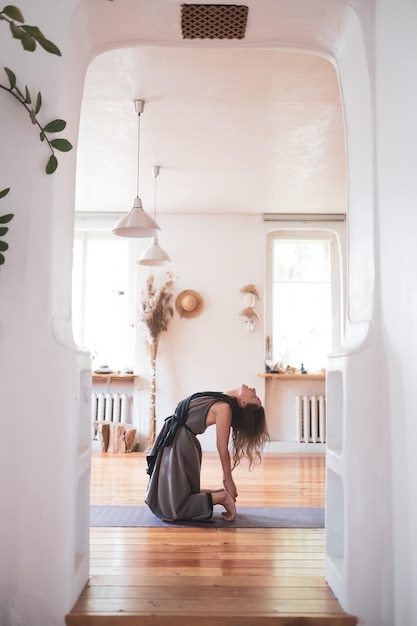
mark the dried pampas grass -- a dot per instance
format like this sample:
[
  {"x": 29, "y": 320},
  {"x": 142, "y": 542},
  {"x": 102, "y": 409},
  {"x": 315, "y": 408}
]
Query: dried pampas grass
[{"x": 156, "y": 309}]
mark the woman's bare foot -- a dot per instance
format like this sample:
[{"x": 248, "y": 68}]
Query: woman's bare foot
[{"x": 225, "y": 499}]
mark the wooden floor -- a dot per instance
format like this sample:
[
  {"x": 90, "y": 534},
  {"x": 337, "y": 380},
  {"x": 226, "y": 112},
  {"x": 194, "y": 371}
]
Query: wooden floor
[{"x": 203, "y": 577}]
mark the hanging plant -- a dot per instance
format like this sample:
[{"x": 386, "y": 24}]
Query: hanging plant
[
  {"x": 155, "y": 315},
  {"x": 4, "y": 219},
  {"x": 30, "y": 37}
]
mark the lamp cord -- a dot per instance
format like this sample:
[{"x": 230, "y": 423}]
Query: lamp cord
[
  {"x": 137, "y": 179},
  {"x": 154, "y": 203}
]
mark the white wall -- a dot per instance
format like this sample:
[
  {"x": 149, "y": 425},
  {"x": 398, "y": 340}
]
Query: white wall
[
  {"x": 45, "y": 381},
  {"x": 371, "y": 502},
  {"x": 211, "y": 351},
  {"x": 358, "y": 525},
  {"x": 396, "y": 129}
]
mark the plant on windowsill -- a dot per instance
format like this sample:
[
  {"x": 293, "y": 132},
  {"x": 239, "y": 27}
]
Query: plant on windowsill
[
  {"x": 155, "y": 315},
  {"x": 29, "y": 37}
]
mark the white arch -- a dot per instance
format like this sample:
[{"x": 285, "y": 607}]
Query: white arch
[{"x": 51, "y": 522}]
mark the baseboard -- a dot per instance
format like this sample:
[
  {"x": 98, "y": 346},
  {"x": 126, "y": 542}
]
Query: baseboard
[{"x": 293, "y": 446}]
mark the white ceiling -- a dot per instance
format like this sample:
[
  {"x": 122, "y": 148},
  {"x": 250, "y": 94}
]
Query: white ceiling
[{"x": 233, "y": 129}]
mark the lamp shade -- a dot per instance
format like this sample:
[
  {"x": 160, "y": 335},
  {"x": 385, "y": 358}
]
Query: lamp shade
[
  {"x": 154, "y": 255},
  {"x": 137, "y": 223}
]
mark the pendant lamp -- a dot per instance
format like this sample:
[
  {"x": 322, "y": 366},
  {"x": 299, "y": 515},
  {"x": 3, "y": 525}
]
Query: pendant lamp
[
  {"x": 155, "y": 255},
  {"x": 137, "y": 223}
]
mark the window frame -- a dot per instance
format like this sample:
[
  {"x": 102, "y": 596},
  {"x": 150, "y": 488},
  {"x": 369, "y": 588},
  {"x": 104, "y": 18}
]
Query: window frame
[
  {"x": 85, "y": 235},
  {"x": 336, "y": 273}
]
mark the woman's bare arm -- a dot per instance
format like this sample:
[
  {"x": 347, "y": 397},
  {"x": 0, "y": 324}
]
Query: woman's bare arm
[{"x": 223, "y": 421}]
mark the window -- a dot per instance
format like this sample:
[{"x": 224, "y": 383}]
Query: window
[
  {"x": 305, "y": 301},
  {"x": 100, "y": 299}
]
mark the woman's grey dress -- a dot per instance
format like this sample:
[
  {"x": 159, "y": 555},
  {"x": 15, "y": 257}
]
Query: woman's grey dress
[{"x": 174, "y": 486}]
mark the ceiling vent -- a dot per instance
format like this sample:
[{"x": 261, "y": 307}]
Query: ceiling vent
[{"x": 213, "y": 21}]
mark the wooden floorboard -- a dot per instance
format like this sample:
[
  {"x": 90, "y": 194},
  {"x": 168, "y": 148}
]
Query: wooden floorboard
[{"x": 209, "y": 576}]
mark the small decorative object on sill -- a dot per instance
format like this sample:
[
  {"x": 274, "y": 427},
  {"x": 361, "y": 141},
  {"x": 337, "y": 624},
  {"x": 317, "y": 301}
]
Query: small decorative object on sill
[
  {"x": 268, "y": 347},
  {"x": 269, "y": 363},
  {"x": 103, "y": 369},
  {"x": 303, "y": 369},
  {"x": 155, "y": 316}
]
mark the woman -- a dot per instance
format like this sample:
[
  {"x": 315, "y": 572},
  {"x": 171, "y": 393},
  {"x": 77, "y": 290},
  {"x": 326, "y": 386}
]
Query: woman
[{"x": 174, "y": 462}]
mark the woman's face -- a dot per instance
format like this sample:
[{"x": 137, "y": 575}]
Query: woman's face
[{"x": 247, "y": 395}]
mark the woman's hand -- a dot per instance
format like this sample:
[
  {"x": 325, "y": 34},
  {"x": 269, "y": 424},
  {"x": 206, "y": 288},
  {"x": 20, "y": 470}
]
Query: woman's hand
[{"x": 229, "y": 485}]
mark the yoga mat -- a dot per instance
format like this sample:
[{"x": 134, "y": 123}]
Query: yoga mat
[{"x": 247, "y": 517}]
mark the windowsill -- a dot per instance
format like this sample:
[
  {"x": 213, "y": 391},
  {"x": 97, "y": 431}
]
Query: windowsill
[
  {"x": 112, "y": 377},
  {"x": 294, "y": 376}
]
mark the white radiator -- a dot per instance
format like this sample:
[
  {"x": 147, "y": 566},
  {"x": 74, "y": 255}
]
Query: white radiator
[
  {"x": 110, "y": 407},
  {"x": 310, "y": 419}
]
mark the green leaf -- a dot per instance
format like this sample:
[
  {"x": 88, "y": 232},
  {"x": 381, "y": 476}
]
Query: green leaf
[
  {"x": 37, "y": 34},
  {"x": 2, "y": 259},
  {"x": 4, "y": 192},
  {"x": 55, "y": 126},
  {"x": 28, "y": 99},
  {"x": 49, "y": 46},
  {"x": 38, "y": 103},
  {"x": 32, "y": 116},
  {"x": 5, "y": 219},
  {"x": 11, "y": 76},
  {"x": 33, "y": 31},
  {"x": 61, "y": 144},
  {"x": 3, "y": 231},
  {"x": 28, "y": 43},
  {"x": 52, "y": 164},
  {"x": 14, "y": 13},
  {"x": 42, "y": 136},
  {"x": 4, "y": 246},
  {"x": 16, "y": 31}
]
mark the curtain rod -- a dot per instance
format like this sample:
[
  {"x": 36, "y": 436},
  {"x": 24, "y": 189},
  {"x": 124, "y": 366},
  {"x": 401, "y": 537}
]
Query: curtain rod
[{"x": 303, "y": 217}]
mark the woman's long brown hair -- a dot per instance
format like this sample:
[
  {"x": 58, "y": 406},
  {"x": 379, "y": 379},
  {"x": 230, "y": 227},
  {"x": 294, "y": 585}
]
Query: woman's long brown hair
[{"x": 249, "y": 433}]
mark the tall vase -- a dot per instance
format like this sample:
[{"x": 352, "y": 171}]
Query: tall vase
[{"x": 153, "y": 348}]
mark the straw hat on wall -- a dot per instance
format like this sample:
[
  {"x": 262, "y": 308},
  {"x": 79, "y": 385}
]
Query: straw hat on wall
[{"x": 189, "y": 303}]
